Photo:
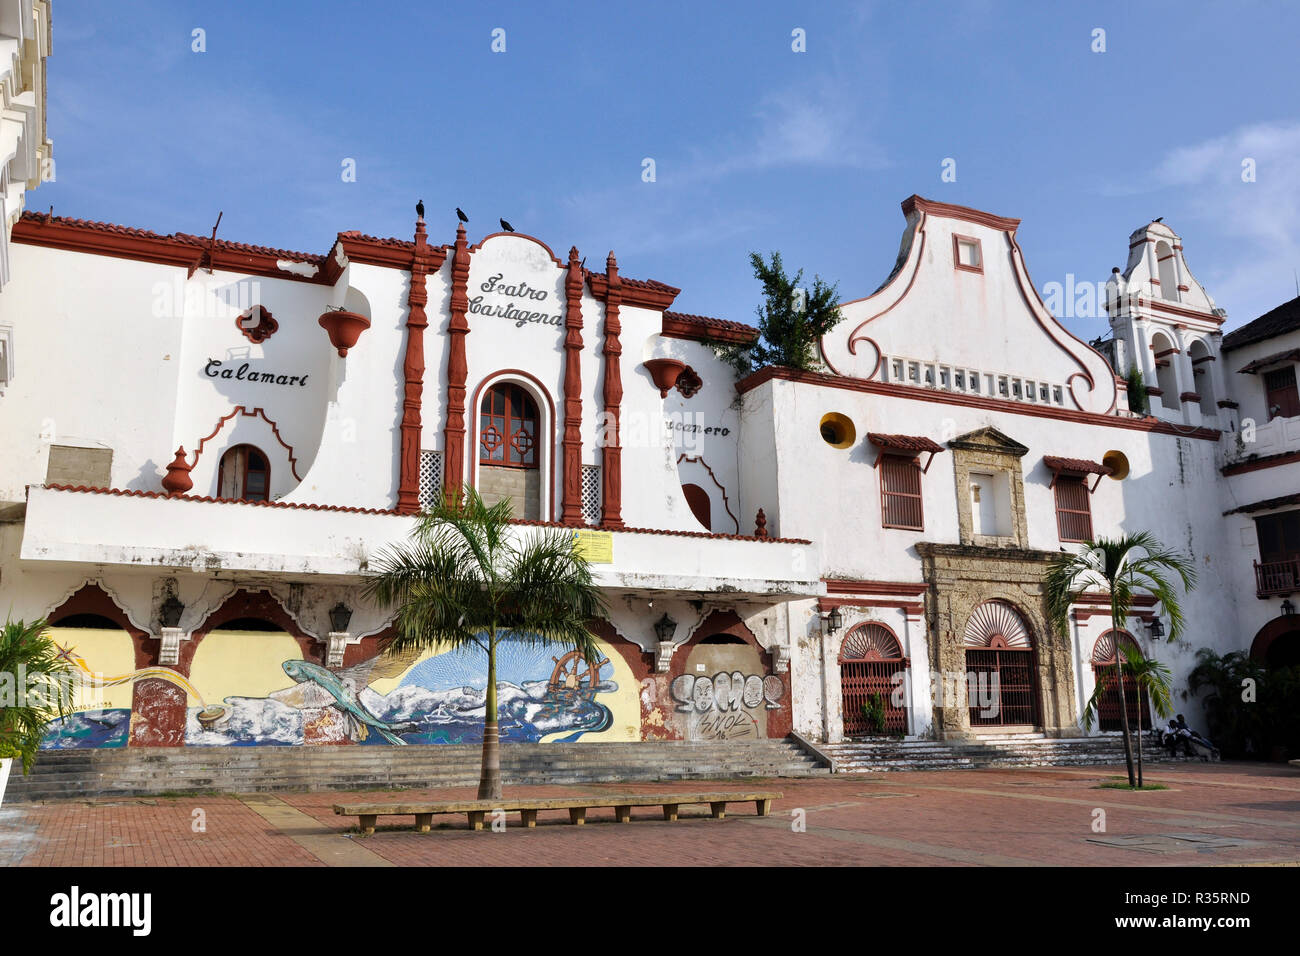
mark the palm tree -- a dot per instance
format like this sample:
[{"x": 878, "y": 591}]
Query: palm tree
[
  {"x": 1119, "y": 567},
  {"x": 39, "y": 688},
  {"x": 469, "y": 578},
  {"x": 1151, "y": 678}
]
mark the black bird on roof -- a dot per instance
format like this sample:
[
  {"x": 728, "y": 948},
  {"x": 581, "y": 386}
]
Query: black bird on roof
[
  {"x": 506, "y": 226},
  {"x": 1159, "y": 219},
  {"x": 460, "y": 214},
  {"x": 419, "y": 209}
]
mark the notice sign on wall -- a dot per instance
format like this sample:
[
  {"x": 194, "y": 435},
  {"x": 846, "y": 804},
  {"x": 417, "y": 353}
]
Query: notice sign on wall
[{"x": 596, "y": 546}]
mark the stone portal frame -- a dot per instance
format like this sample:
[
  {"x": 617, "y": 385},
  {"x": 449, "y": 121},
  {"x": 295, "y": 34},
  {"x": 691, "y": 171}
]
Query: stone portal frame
[
  {"x": 990, "y": 450},
  {"x": 960, "y": 579}
]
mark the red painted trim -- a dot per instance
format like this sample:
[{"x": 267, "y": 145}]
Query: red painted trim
[
  {"x": 964, "y": 213},
  {"x": 517, "y": 235},
  {"x": 408, "y": 482},
  {"x": 1268, "y": 461},
  {"x": 256, "y": 604},
  {"x": 1269, "y": 633},
  {"x": 124, "y": 493},
  {"x": 90, "y": 598},
  {"x": 849, "y": 586},
  {"x": 1161, "y": 305},
  {"x": 571, "y": 485},
  {"x": 913, "y": 608},
  {"x": 611, "y": 452},
  {"x": 854, "y": 337},
  {"x": 957, "y": 240},
  {"x": 178, "y": 249},
  {"x": 642, "y": 293},
  {"x": 496, "y": 378},
  {"x": 911, "y": 392},
  {"x": 700, "y": 328},
  {"x": 453, "y": 472},
  {"x": 726, "y": 505},
  {"x": 275, "y": 431}
]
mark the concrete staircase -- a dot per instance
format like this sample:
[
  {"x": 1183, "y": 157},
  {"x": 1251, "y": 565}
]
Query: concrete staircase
[
  {"x": 136, "y": 772},
  {"x": 987, "y": 750}
]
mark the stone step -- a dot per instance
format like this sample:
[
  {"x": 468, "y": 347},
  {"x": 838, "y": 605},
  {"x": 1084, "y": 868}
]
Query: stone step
[{"x": 129, "y": 772}]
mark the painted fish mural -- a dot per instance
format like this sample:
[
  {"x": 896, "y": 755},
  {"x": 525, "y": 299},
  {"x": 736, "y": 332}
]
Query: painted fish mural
[
  {"x": 345, "y": 700},
  {"x": 543, "y": 692}
]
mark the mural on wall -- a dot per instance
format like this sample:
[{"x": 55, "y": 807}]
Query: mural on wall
[
  {"x": 252, "y": 687},
  {"x": 544, "y": 693},
  {"x": 100, "y": 715}
]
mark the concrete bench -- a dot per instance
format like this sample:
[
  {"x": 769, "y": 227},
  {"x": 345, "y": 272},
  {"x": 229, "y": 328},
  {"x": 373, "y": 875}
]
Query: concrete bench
[{"x": 528, "y": 807}]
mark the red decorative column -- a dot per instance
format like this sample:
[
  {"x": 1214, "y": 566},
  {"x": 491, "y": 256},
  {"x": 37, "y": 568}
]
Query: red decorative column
[
  {"x": 571, "y": 502},
  {"x": 408, "y": 485},
  {"x": 611, "y": 452},
  {"x": 453, "y": 458}
]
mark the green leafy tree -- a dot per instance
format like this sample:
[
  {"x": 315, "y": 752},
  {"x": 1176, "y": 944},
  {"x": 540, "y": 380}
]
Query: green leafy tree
[
  {"x": 469, "y": 578},
  {"x": 1250, "y": 709},
  {"x": 1119, "y": 568},
  {"x": 791, "y": 321},
  {"x": 35, "y": 688}
]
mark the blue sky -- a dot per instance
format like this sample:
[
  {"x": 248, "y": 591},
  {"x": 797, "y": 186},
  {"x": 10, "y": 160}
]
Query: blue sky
[{"x": 756, "y": 147}]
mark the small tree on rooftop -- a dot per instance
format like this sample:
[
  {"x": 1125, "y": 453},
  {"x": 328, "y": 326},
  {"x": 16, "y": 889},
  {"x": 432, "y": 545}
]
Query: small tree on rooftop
[{"x": 791, "y": 321}]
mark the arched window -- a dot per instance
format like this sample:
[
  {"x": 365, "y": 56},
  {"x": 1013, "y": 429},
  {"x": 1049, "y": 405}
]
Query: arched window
[
  {"x": 872, "y": 668},
  {"x": 245, "y": 474},
  {"x": 1103, "y": 672},
  {"x": 508, "y": 428},
  {"x": 1201, "y": 376}
]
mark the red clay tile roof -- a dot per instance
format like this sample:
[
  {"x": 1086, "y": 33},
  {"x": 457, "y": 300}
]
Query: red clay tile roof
[
  {"x": 710, "y": 322},
  {"x": 199, "y": 242},
  {"x": 1076, "y": 466},
  {"x": 1281, "y": 501},
  {"x": 909, "y": 443},
  {"x": 1285, "y": 318},
  {"x": 1290, "y": 355}
]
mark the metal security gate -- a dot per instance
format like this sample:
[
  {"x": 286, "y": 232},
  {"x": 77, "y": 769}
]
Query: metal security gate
[
  {"x": 1103, "y": 672},
  {"x": 1001, "y": 688},
  {"x": 872, "y": 663}
]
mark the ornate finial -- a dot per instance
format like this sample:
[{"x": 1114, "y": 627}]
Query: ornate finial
[
  {"x": 760, "y": 525},
  {"x": 573, "y": 254},
  {"x": 177, "y": 481}
]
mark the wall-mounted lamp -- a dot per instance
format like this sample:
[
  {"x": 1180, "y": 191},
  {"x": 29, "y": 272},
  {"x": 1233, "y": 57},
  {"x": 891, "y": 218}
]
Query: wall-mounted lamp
[
  {"x": 665, "y": 628},
  {"x": 171, "y": 612},
  {"x": 1156, "y": 628},
  {"x": 1287, "y": 607},
  {"x": 340, "y": 617},
  {"x": 833, "y": 621}
]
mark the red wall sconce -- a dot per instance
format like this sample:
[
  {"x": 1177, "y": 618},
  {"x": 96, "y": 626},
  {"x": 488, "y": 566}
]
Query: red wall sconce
[
  {"x": 664, "y": 373},
  {"x": 344, "y": 328}
]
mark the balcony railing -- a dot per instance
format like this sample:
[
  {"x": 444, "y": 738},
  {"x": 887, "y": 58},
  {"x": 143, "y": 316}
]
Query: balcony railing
[{"x": 1276, "y": 578}]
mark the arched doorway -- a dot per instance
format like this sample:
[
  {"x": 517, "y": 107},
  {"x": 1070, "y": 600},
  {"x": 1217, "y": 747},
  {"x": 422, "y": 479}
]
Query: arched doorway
[
  {"x": 871, "y": 664},
  {"x": 1000, "y": 672},
  {"x": 1277, "y": 645},
  {"x": 1103, "y": 672}
]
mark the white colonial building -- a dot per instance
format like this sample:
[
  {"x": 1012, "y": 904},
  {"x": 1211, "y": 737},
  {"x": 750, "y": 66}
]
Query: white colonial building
[{"x": 208, "y": 442}]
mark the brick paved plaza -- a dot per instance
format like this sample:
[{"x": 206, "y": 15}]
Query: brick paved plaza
[{"x": 1211, "y": 815}]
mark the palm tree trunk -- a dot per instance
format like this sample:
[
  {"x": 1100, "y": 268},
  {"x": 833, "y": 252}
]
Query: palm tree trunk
[
  {"x": 1139, "y": 733},
  {"x": 1123, "y": 704},
  {"x": 489, "y": 781}
]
